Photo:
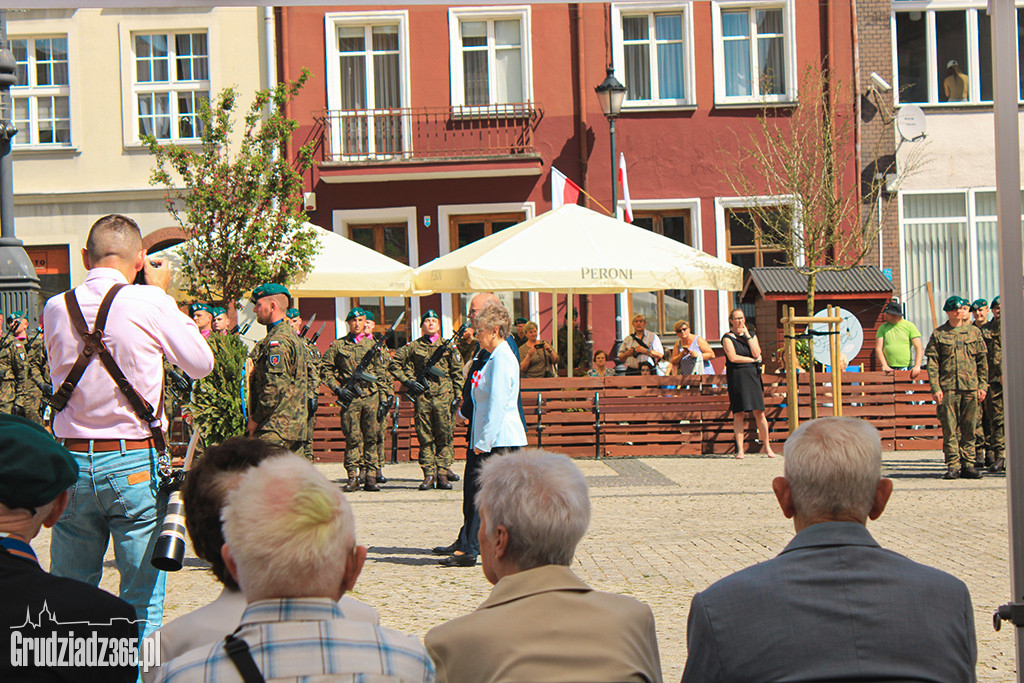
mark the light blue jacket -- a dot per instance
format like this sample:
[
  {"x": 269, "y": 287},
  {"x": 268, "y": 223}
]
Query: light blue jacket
[{"x": 495, "y": 389}]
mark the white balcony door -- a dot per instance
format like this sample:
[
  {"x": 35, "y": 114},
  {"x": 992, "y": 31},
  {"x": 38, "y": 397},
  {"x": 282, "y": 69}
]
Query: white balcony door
[{"x": 370, "y": 124}]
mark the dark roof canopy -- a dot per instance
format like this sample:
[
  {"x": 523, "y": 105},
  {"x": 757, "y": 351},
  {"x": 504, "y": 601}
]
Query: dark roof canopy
[{"x": 783, "y": 282}]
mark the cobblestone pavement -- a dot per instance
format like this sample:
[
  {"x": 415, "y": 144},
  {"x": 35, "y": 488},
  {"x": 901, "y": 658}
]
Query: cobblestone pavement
[{"x": 662, "y": 529}]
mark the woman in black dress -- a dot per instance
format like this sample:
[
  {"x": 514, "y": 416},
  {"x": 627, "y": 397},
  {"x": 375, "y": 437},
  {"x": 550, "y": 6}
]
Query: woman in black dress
[{"x": 743, "y": 376}]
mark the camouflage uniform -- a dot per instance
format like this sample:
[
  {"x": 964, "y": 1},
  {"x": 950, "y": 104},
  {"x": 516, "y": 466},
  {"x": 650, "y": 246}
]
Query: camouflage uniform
[
  {"x": 434, "y": 426},
  {"x": 313, "y": 384},
  {"x": 993, "y": 405},
  {"x": 278, "y": 387},
  {"x": 359, "y": 421},
  {"x": 387, "y": 391},
  {"x": 37, "y": 376},
  {"x": 958, "y": 366},
  {"x": 466, "y": 348},
  {"x": 13, "y": 373},
  {"x": 981, "y": 430}
]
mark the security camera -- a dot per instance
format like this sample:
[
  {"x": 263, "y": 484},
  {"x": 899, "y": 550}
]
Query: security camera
[{"x": 880, "y": 82}]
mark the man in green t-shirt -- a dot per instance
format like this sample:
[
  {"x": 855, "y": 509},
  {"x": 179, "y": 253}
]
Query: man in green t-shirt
[{"x": 898, "y": 343}]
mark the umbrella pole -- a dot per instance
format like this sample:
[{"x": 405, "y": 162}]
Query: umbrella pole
[
  {"x": 569, "y": 332},
  {"x": 554, "y": 319}
]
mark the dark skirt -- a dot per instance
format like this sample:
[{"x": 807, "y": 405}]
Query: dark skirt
[{"x": 746, "y": 392}]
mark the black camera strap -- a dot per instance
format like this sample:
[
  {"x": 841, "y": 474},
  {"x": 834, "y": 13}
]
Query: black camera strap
[{"x": 238, "y": 651}]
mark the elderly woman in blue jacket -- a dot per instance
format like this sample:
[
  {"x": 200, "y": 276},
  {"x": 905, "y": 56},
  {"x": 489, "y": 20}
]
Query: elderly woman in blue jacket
[{"x": 496, "y": 426}]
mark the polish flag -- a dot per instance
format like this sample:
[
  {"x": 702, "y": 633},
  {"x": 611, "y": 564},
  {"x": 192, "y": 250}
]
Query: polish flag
[
  {"x": 624, "y": 181},
  {"x": 563, "y": 190}
]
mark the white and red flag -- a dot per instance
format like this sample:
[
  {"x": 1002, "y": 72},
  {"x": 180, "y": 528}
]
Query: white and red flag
[
  {"x": 624, "y": 181},
  {"x": 563, "y": 190}
]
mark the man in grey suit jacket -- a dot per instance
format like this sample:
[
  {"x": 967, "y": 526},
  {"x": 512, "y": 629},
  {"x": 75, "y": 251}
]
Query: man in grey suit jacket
[
  {"x": 834, "y": 605},
  {"x": 541, "y": 623}
]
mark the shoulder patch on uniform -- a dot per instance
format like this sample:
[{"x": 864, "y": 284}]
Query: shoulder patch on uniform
[
  {"x": 274, "y": 342},
  {"x": 274, "y": 359}
]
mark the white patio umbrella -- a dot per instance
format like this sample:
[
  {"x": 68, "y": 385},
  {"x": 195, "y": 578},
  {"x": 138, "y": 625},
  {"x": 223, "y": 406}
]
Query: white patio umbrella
[
  {"x": 341, "y": 268},
  {"x": 573, "y": 249}
]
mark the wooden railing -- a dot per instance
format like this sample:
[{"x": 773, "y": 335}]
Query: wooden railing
[{"x": 682, "y": 416}]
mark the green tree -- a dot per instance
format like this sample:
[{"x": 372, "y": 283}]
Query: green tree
[{"x": 241, "y": 209}]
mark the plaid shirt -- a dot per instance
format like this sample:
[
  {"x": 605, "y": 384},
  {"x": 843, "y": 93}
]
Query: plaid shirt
[{"x": 308, "y": 640}]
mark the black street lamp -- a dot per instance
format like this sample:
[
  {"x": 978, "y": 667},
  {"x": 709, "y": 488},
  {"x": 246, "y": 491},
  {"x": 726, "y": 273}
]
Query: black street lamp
[
  {"x": 19, "y": 286},
  {"x": 610, "y": 94}
]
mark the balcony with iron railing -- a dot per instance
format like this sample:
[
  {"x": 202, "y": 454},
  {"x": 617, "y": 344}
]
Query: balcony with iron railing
[{"x": 430, "y": 134}]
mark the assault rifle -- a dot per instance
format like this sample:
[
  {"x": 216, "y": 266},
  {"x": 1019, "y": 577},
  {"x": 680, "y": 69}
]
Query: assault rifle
[
  {"x": 417, "y": 386},
  {"x": 316, "y": 335},
  {"x": 240, "y": 330},
  {"x": 350, "y": 390},
  {"x": 305, "y": 328}
]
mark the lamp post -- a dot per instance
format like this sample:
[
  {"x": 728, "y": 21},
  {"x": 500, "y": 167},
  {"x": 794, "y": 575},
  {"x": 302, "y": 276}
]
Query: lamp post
[
  {"x": 19, "y": 286},
  {"x": 610, "y": 94}
]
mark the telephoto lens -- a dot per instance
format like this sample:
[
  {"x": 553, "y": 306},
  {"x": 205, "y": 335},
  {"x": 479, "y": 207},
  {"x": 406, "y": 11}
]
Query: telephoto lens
[{"x": 169, "y": 551}]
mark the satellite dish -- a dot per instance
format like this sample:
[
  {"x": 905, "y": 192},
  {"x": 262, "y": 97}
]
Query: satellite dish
[
  {"x": 910, "y": 122},
  {"x": 851, "y": 337}
]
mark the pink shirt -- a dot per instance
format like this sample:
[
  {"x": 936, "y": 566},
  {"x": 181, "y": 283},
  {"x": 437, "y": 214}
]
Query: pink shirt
[{"x": 143, "y": 326}]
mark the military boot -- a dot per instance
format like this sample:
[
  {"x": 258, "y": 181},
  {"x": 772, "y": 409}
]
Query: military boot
[
  {"x": 352, "y": 485},
  {"x": 371, "y": 482},
  {"x": 451, "y": 475},
  {"x": 428, "y": 482},
  {"x": 442, "y": 480},
  {"x": 380, "y": 476},
  {"x": 998, "y": 464}
]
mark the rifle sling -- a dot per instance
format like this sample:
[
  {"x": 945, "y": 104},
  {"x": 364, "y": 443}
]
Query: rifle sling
[{"x": 94, "y": 347}]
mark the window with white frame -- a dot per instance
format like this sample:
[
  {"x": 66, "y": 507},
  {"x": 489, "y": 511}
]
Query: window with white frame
[
  {"x": 943, "y": 55},
  {"x": 367, "y": 84},
  {"x": 490, "y": 57},
  {"x": 42, "y": 95},
  {"x": 950, "y": 239},
  {"x": 652, "y": 50},
  {"x": 171, "y": 77},
  {"x": 754, "y": 53}
]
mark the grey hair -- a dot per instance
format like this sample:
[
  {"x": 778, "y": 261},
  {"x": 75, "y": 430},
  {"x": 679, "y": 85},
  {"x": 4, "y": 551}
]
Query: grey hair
[
  {"x": 493, "y": 317},
  {"x": 833, "y": 465},
  {"x": 290, "y": 530},
  {"x": 541, "y": 498}
]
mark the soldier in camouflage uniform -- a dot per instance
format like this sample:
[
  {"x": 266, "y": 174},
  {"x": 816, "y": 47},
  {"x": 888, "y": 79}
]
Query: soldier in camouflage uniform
[
  {"x": 387, "y": 384},
  {"x": 312, "y": 381},
  {"x": 993, "y": 406},
  {"x": 359, "y": 420},
  {"x": 277, "y": 384},
  {"x": 958, "y": 375},
  {"x": 580, "y": 353},
  {"x": 37, "y": 377},
  {"x": 434, "y": 425},
  {"x": 979, "y": 318},
  {"x": 13, "y": 365}
]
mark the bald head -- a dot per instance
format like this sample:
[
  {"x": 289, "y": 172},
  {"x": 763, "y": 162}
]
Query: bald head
[
  {"x": 482, "y": 301},
  {"x": 113, "y": 237}
]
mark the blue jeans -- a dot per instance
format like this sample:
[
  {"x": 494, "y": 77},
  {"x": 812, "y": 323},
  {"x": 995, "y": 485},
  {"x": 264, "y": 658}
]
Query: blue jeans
[{"x": 115, "y": 497}]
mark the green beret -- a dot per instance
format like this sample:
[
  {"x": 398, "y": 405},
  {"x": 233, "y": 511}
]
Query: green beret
[
  {"x": 34, "y": 468},
  {"x": 978, "y": 303},
  {"x": 217, "y": 310},
  {"x": 16, "y": 315},
  {"x": 429, "y": 314},
  {"x": 954, "y": 302},
  {"x": 199, "y": 307},
  {"x": 293, "y": 313},
  {"x": 521, "y": 321},
  {"x": 995, "y": 302},
  {"x": 355, "y": 313},
  {"x": 269, "y": 289},
  {"x": 368, "y": 314}
]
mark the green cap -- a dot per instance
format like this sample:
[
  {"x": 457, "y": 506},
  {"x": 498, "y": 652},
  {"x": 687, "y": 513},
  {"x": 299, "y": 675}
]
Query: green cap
[
  {"x": 995, "y": 302},
  {"x": 521, "y": 321},
  {"x": 978, "y": 303},
  {"x": 293, "y": 313},
  {"x": 355, "y": 313},
  {"x": 34, "y": 469},
  {"x": 368, "y": 314},
  {"x": 197, "y": 306},
  {"x": 269, "y": 289},
  {"x": 429, "y": 314},
  {"x": 217, "y": 310},
  {"x": 16, "y": 315},
  {"x": 954, "y": 302}
]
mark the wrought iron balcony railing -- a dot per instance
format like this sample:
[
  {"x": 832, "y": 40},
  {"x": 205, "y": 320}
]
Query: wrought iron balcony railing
[{"x": 430, "y": 133}]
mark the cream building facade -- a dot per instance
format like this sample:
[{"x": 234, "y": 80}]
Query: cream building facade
[{"x": 91, "y": 81}]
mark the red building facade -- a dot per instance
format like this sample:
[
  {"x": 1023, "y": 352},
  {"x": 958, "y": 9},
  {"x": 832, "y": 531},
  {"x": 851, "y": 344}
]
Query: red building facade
[{"x": 437, "y": 125}]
